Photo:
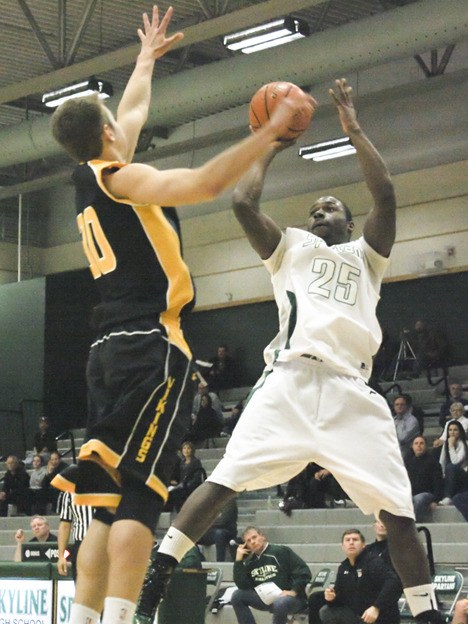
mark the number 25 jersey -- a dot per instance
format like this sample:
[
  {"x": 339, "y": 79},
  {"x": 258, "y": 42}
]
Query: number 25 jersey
[{"x": 326, "y": 298}]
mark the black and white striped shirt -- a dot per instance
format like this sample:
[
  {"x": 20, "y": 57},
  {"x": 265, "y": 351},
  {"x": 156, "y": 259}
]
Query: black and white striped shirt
[{"x": 79, "y": 515}]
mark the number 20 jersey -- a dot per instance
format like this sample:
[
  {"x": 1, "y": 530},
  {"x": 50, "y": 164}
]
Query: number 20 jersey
[
  {"x": 134, "y": 252},
  {"x": 326, "y": 298}
]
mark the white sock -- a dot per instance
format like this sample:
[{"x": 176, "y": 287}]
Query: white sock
[
  {"x": 176, "y": 544},
  {"x": 118, "y": 611},
  {"x": 79, "y": 614},
  {"x": 421, "y": 598}
]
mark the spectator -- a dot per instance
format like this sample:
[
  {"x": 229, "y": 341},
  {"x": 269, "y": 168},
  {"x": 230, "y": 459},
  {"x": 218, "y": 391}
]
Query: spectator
[
  {"x": 15, "y": 489},
  {"x": 205, "y": 423},
  {"x": 41, "y": 530},
  {"x": 407, "y": 426},
  {"x": 55, "y": 465},
  {"x": 259, "y": 563},
  {"x": 430, "y": 348},
  {"x": 454, "y": 461},
  {"x": 457, "y": 412},
  {"x": 188, "y": 475},
  {"x": 44, "y": 440},
  {"x": 456, "y": 396},
  {"x": 204, "y": 389},
  {"x": 425, "y": 475},
  {"x": 307, "y": 490},
  {"x": 366, "y": 589},
  {"x": 36, "y": 490},
  {"x": 417, "y": 412},
  {"x": 222, "y": 374},
  {"x": 146, "y": 607},
  {"x": 223, "y": 530},
  {"x": 74, "y": 519},
  {"x": 460, "y": 612}
]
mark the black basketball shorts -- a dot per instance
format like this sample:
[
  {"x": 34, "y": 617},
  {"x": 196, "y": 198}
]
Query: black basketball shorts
[{"x": 139, "y": 402}]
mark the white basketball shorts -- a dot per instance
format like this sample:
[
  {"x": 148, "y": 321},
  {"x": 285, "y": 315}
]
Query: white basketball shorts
[{"x": 301, "y": 412}]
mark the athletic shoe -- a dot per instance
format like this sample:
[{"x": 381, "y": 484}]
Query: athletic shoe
[{"x": 154, "y": 588}]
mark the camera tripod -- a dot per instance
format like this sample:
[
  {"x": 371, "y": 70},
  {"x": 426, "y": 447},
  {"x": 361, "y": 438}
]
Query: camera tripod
[{"x": 405, "y": 354}]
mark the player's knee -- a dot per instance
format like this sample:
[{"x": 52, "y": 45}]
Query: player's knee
[{"x": 139, "y": 503}]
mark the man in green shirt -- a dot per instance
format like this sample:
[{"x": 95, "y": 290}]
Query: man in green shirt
[{"x": 269, "y": 577}]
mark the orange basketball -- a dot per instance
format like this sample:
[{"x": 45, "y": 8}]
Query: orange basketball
[{"x": 267, "y": 98}]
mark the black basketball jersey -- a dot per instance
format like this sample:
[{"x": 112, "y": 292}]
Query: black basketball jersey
[{"x": 134, "y": 252}]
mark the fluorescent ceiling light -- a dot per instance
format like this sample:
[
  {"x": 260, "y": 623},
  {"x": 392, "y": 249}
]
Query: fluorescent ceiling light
[
  {"x": 335, "y": 148},
  {"x": 268, "y": 35},
  {"x": 78, "y": 90}
]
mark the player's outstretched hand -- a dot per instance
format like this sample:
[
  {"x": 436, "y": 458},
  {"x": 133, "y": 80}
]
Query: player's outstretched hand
[
  {"x": 153, "y": 36},
  {"x": 284, "y": 113},
  {"x": 343, "y": 98}
]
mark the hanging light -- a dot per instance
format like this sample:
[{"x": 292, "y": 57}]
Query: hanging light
[
  {"x": 335, "y": 148},
  {"x": 268, "y": 35},
  {"x": 52, "y": 99}
]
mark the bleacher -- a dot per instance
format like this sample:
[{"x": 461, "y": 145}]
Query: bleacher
[{"x": 314, "y": 534}]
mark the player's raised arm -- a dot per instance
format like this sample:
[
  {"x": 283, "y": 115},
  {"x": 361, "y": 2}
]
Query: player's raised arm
[
  {"x": 145, "y": 185},
  {"x": 132, "y": 111},
  {"x": 379, "y": 229},
  {"x": 263, "y": 233}
]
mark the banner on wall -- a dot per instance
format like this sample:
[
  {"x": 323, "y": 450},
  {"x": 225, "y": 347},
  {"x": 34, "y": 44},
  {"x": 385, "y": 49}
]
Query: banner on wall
[
  {"x": 65, "y": 595},
  {"x": 25, "y": 601}
]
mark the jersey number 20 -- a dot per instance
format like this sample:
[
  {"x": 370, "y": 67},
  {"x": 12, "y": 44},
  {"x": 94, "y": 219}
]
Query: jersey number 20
[{"x": 101, "y": 258}]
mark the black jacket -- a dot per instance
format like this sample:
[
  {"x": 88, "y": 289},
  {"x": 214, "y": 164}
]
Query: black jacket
[
  {"x": 370, "y": 582},
  {"x": 425, "y": 474}
]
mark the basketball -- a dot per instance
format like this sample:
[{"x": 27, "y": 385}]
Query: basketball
[{"x": 268, "y": 97}]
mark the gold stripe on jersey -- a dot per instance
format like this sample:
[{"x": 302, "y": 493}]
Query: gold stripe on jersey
[
  {"x": 166, "y": 245},
  {"x": 98, "y": 452},
  {"x": 157, "y": 486},
  {"x": 98, "y": 500},
  {"x": 63, "y": 484},
  {"x": 167, "y": 249}
]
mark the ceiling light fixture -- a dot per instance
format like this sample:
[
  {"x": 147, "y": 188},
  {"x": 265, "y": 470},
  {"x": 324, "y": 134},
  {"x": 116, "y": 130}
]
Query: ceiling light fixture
[
  {"x": 268, "y": 35},
  {"x": 335, "y": 148},
  {"x": 52, "y": 99}
]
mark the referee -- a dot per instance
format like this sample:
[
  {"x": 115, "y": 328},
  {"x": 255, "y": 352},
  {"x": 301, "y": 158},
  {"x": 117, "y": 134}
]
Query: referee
[{"x": 73, "y": 516}]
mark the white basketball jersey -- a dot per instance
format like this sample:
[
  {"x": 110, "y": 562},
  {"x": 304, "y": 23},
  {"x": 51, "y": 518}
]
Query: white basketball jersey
[{"x": 326, "y": 298}]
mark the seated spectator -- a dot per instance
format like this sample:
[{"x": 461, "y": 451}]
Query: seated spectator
[
  {"x": 430, "y": 348},
  {"x": 366, "y": 589},
  {"x": 378, "y": 548},
  {"x": 37, "y": 493},
  {"x": 206, "y": 423},
  {"x": 460, "y": 612},
  {"x": 44, "y": 440},
  {"x": 204, "y": 389},
  {"x": 407, "y": 426},
  {"x": 188, "y": 475},
  {"x": 222, "y": 374},
  {"x": 146, "y": 607},
  {"x": 15, "y": 489},
  {"x": 454, "y": 461},
  {"x": 55, "y": 465},
  {"x": 425, "y": 475},
  {"x": 417, "y": 412},
  {"x": 457, "y": 412},
  {"x": 222, "y": 531},
  {"x": 307, "y": 490},
  {"x": 41, "y": 531},
  {"x": 257, "y": 563},
  {"x": 455, "y": 396}
]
